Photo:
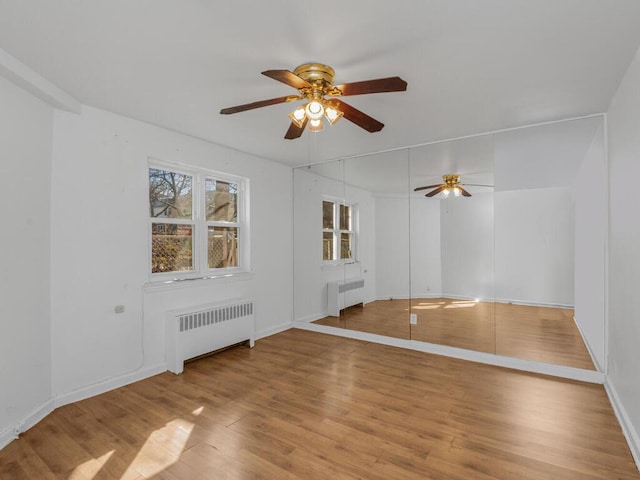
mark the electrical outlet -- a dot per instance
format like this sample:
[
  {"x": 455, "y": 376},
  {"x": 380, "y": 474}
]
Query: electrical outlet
[{"x": 413, "y": 319}]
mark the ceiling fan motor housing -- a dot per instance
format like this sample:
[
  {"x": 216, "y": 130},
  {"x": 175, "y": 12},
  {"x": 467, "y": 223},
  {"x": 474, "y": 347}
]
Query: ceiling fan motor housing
[
  {"x": 451, "y": 180},
  {"x": 316, "y": 73}
]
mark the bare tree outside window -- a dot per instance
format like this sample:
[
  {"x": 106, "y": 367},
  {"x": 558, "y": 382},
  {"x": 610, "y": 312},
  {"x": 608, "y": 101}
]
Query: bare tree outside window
[
  {"x": 195, "y": 222},
  {"x": 171, "y": 197}
]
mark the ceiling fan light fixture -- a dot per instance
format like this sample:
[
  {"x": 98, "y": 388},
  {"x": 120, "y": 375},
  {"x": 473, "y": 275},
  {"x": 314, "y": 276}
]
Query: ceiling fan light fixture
[
  {"x": 315, "y": 110},
  {"x": 456, "y": 191},
  {"x": 316, "y": 125},
  {"x": 298, "y": 116},
  {"x": 332, "y": 114},
  {"x": 445, "y": 193}
]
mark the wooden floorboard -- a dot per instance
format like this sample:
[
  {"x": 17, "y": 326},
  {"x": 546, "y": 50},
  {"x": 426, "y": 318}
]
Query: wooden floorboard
[
  {"x": 303, "y": 405},
  {"x": 542, "y": 334}
]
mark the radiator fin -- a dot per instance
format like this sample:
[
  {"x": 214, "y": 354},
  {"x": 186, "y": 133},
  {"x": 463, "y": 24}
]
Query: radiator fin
[
  {"x": 351, "y": 285},
  {"x": 204, "y": 318}
]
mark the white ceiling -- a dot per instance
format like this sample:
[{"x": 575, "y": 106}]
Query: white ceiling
[{"x": 471, "y": 65}]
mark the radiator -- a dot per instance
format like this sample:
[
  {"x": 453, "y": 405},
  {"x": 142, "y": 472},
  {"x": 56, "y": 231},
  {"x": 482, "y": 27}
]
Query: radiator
[
  {"x": 343, "y": 294},
  {"x": 198, "y": 330}
]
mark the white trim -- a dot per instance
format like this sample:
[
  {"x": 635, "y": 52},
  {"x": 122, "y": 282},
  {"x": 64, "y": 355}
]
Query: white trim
[
  {"x": 531, "y": 304},
  {"x": 11, "y": 433},
  {"x": 586, "y": 343},
  {"x": 18, "y": 73},
  {"x": 607, "y": 233},
  {"x": 273, "y": 330},
  {"x": 571, "y": 373},
  {"x": 310, "y": 318},
  {"x": 108, "y": 385},
  {"x": 6, "y": 437},
  {"x": 629, "y": 431},
  {"x": 177, "y": 283}
]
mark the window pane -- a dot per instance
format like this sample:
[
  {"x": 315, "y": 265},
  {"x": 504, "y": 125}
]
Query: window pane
[
  {"x": 171, "y": 247},
  {"x": 169, "y": 194},
  {"x": 345, "y": 245},
  {"x": 345, "y": 217},
  {"x": 327, "y": 246},
  {"x": 327, "y": 214},
  {"x": 222, "y": 247},
  {"x": 221, "y": 200}
]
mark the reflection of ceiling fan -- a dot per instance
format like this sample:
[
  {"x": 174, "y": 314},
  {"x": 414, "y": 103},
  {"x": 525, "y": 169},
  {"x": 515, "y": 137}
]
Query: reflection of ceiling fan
[
  {"x": 314, "y": 82},
  {"x": 451, "y": 184}
]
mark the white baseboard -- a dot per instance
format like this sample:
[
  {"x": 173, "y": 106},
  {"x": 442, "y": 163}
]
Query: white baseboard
[
  {"x": 6, "y": 437},
  {"x": 11, "y": 433},
  {"x": 630, "y": 433},
  {"x": 310, "y": 318},
  {"x": 586, "y": 343},
  {"x": 532, "y": 304},
  {"x": 571, "y": 373},
  {"x": 272, "y": 331},
  {"x": 107, "y": 385}
]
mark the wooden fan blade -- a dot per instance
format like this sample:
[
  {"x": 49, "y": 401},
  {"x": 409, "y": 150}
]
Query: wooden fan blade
[
  {"x": 464, "y": 192},
  {"x": 436, "y": 191},
  {"x": 287, "y": 77},
  {"x": 428, "y": 186},
  {"x": 379, "y": 85},
  {"x": 476, "y": 185},
  {"x": 261, "y": 103},
  {"x": 361, "y": 119},
  {"x": 295, "y": 131}
]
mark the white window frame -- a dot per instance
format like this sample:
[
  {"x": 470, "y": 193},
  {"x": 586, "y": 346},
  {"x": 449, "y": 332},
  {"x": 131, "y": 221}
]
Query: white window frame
[
  {"x": 200, "y": 224},
  {"x": 336, "y": 231}
]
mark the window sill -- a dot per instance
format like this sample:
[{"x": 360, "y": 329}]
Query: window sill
[
  {"x": 334, "y": 265},
  {"x": 177, "y": 283}
]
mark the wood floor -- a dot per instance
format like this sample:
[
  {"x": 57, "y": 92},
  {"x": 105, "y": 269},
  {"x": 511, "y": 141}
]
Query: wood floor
[
  {"x": 533, "y": 333},
  {"x": 303, "y": 405}
]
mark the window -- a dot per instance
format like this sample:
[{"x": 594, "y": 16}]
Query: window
[
  {"x": 197, "y": 222},
  {"x": 338, "y": 234}
]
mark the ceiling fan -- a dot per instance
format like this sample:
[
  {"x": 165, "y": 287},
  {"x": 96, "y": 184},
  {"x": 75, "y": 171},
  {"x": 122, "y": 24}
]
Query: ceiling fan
[
  {"x": 314, "y": 83},
  {"x": 451, "y": 185}
]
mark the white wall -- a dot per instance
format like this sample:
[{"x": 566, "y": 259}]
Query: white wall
[
  {"x": 407, "y": 247},
  {"x": 589, "y": 192},
  {"x": 310, "y": 275},
  {"x": 25, "y": 333},
  {"x": 534, "y": 244},
  {"x": 624, "y": 250},
  {"x": 425, "y": 261},
  {"x": 392, "y": 247},
  {"x": 467, "y": 246},
  {"x": 100, "y": 245}
]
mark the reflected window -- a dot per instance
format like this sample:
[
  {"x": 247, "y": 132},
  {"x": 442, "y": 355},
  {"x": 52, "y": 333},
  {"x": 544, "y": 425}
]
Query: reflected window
[{"x": 338, "y": 235}]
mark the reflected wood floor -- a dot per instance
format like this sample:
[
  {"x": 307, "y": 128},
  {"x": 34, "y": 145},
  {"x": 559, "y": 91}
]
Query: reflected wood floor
[
  {"x": 543, "y": 334},
  {"x": 303, "y": 405}
]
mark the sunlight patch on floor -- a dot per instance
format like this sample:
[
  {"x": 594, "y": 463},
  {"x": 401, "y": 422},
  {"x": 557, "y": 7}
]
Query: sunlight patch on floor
[
  {"x": 90, "y": 468},
  {"x": 162, "y": 449}
]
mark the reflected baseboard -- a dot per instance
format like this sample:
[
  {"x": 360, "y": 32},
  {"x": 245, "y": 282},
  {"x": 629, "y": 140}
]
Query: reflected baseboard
[
  {"x": 560, "y": 371},
  {"x": 594, "y": 359}
]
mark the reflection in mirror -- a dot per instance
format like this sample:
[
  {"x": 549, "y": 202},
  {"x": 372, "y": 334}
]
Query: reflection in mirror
[
  {"x": 514, "y": 268},
  {"x": 452, "y": 237}
]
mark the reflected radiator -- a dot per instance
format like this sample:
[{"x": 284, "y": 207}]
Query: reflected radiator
[
  {"x": 203, "y": 329},
  {"x": 343, "y": 294}
]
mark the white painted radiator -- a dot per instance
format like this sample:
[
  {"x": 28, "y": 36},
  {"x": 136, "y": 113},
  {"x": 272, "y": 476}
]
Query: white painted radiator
[
  {"x": 202, "y": 329},
  {"x": 343, "y": 294}
]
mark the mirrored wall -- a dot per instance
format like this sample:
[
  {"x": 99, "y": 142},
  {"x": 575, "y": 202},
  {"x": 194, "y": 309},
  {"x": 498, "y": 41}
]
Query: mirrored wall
[{"x": 493, "y": 243}]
